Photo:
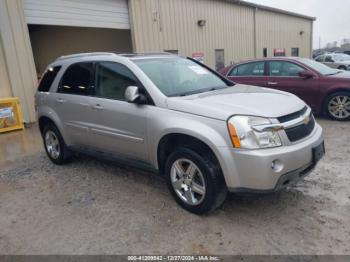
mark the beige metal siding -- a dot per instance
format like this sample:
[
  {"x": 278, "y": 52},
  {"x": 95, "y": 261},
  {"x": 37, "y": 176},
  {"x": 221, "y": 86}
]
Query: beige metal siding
[
  {"x": 86, "y": 13},
  {"x": 172, "y": 25},
  {"x": 276, "y": 30},
  {"x": 5, "y": 87},
  {"x": 159, "y": 25},
  {"x": 18, "y": 57}
]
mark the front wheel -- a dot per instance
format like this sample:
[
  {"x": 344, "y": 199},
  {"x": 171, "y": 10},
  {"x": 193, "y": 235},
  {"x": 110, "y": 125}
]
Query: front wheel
[
  {"x": 337, "y": 106},
  {"x": 195, "y": 182}
]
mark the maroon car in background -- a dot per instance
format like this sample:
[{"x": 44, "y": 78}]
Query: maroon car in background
[{"x": 326, "y": 90}]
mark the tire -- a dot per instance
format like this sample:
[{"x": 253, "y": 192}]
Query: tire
[
  {"x": 206, "y": 177},
  {"x": 55, "y": 146},
  {"x": 342, "y": 68},
  {"x": 337, "y": 106}
]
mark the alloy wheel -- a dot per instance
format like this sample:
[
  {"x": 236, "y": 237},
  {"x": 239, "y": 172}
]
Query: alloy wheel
[
  {"x": 339, "y": 107},
  {"x": 188, "y": 181},
  {"x": 52, "y": 144}
]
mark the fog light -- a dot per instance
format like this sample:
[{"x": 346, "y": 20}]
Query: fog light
[{"x": 277, "y": 165}]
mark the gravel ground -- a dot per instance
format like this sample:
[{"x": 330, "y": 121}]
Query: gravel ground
[{"x": 95, "y": 207}]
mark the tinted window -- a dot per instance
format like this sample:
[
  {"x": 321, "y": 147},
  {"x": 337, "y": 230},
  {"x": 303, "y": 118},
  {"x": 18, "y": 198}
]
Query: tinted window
[
  {"x": 112, "y": 79},
  {"x": 48, "y": 79},
  {"x": 250, "y": 69},
  {"x": 282, "y": 68},
  {"x": 76, "y": 79}
]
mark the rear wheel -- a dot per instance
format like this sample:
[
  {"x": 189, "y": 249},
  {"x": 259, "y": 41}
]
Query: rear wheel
[
  {"x": 195, "y": 182},
  {"x": 342, "y": 67},
  {"x": 337, "y": 106},
  {"x": 55, "y": 146}
]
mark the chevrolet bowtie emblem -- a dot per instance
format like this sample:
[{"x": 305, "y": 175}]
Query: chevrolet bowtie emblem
[{"x": 306, "y": 120}]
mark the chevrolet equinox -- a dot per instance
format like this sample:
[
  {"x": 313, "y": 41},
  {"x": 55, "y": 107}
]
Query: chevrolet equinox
[{"x": 205, "y": 134}]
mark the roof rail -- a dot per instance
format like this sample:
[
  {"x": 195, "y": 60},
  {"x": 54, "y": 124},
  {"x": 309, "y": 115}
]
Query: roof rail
[
  {"x": 144, "y": 54},
  {"x": 83, "y": 55}
]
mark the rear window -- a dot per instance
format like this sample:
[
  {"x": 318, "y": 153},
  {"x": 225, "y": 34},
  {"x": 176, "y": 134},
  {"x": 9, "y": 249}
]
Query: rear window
[{"x": 48, "y": 79}]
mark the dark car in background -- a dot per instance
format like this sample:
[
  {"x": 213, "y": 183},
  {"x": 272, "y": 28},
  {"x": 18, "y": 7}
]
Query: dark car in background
[{"x": 325, "y": 89}]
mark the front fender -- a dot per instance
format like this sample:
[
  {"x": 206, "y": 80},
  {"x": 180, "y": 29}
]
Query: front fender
[{"x": 212, "y": 132}]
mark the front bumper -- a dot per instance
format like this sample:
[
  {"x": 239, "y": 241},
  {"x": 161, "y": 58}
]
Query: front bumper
[{"x": 251, "y": 170}]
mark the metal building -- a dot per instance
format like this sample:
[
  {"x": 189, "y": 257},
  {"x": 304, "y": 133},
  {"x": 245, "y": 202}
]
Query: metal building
[{"x": 217, "y": 32}]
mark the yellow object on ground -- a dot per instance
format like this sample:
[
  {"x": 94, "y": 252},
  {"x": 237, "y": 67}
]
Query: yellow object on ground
[{"x": 10, "y": 114}]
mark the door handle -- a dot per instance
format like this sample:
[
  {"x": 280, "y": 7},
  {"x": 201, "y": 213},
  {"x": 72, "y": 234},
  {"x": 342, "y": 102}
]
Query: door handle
[
  {"x": 272, "y": 83},
  {"x": 97, "y": 107},
  {"x": 60, "y": 100}
]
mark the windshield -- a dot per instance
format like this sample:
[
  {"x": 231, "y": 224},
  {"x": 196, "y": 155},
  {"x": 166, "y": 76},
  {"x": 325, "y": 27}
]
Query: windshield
[
  {"x": 341, "y": 57},
  {"x": 176, "y": 76},
  {"x": 320, "y": 68}
]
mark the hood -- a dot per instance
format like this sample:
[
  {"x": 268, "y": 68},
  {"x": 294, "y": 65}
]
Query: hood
[
  {"x": 240, "y": 100},
  {"x": 342, "y": 75}
]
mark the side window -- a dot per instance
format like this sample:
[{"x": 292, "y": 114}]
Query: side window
[
  {"x": 48, "y": 79},
  {"x": 282, "y": 68},
  {"x": 233, "y": 71},
  {"x": 77, "y": 79},
  {"x": 251, "y": 69},
  {"x": 320, "y": 58},
  {"x": 112, "y": 79},
  {"x": 329, "y": 59}
]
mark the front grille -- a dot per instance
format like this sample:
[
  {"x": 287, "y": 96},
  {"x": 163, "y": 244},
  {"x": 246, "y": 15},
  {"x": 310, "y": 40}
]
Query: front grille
[{"x": 301, "y": 131}]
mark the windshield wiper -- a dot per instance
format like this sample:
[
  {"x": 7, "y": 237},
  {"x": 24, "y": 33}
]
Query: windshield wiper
[{"x": 200, "y": 91}]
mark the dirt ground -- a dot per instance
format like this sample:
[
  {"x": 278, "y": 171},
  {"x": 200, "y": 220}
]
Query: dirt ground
[{"x": 96, "y": 207}]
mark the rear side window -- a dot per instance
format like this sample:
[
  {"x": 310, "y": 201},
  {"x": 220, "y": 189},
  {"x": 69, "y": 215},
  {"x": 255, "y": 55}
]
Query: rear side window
[
  {"x": 77, "y": 79},
  {"x": 250, "y": 69},
  {"x": 48, "y": 79}
]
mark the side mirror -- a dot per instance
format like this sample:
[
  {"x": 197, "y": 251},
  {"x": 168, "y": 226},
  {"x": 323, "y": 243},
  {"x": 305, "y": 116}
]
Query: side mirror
[
  {"x": 132, "y": 95},
  {"x": 306, "y": 74}
]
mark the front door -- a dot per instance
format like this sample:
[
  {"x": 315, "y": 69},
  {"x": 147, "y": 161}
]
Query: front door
[
  {"x": 284, "y": 76},
  {"x": 119, "y": 127}
]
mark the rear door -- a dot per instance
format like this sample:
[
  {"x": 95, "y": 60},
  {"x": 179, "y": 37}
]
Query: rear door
[
  {"x": 119, "y": 127},
  {"x": 72, "y": 100},
  {"x": 284, "y": 76},
  {"x": 252, "y": 73}
]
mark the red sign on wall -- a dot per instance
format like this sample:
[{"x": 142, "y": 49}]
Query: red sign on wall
[
  {"x": 199, "y": 56},
  {"x": 279, "y": 52}
]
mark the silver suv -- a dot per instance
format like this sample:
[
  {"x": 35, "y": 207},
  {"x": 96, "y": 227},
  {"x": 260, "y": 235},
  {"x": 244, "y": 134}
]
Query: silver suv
[{"x": 203, "y": 133}]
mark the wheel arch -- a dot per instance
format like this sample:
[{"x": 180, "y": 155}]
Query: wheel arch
[
  {"x": 43, "y": 121},
  {"x": 171, "y": 141}
]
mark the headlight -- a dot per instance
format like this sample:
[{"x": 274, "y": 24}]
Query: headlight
[{"x": 243, "y": 135}]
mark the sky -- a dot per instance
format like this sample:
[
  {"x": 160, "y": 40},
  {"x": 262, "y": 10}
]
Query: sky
[{"x": 333, "y": 17}]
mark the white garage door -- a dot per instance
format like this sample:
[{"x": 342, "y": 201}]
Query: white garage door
[{"x": 85, "y": 13}]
